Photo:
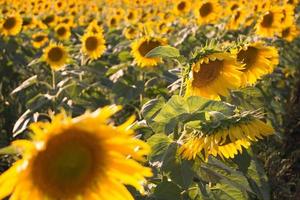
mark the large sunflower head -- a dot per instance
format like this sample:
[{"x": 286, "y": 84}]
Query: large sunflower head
[
  {"x": 144, "y": 45},
  {"x": 56, "y": 55},
  {"x": 11, "y": 25},
  {"x": 39, "y": 39},
  {"x": 93, "y": 45},
  {"x": 79, "y": 158},
  {"x": 269, "y": 23},
  {"x": 258, "y": 60},
  {"x": 207, "y": 11},
  {"x": 224, "y": 141},
  {"x": 213, "y": 75}
]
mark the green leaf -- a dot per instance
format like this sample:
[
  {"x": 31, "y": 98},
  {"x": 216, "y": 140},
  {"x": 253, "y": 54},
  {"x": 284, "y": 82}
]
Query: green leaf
[
  {"x": 112, "y": 70},
  {"x": 227, "y": 192},
  {"x": 151, "y": 108},
  {"x": 163, "y": 51},
  {"x": 159, "y": 143},
  {"x": 258, "y": 180},
  {"x": 167, "y": 191},
  {"x": 30, "y": 81}
]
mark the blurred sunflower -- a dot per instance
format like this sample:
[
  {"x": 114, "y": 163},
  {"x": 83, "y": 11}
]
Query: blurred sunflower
[
  {"x": 236, "y": 19},
  {"x": 56, "y": 55},
  {"x": 258, "y": 60},
  {"x": 39, "y": 39},
  {"x": 132, "y": 16},
  {"x": 11, "y": 25},
  {"x": 93, "y": 45},
  {"x": 144, "y": 45},
  {"x": 287, "y": 15},
  {"x": 207, "y": 11},
  {"x": 290, "y": 33},
  {"x": 79, "y": 158},
  {"x": 50, "y": 20},
  {"x": 213, "y": 75},
  {"x": 226, "y": 141},
  {"x": 94, "y": 27},
  {"x": 269, "y": 23},
  {"x": 182, "y": 7},
  {"x": 130, "y": 32},
  {"x": 63, "y": 32}
]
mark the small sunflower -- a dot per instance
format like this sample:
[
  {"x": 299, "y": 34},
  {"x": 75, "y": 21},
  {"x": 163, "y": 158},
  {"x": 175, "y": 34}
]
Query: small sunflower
[
  {"x": 94, "y": 27},
  {"x": 39, "y": 40},
  {"x": 208, "y": 11},
  {"x": 213, "y": 75},
  {"x": 258, "y": 60},
  {"x": 225, "y": 141},
  {"x": 11, "y": 25},
  {"x": 290, "y": 33},
  {"x": 237, "y": 18},
  {"x": 182, "y": 7},
  {"x": 130, "y": 32},
  {"x": 269, "y": 23},
  {"x": 144, "y": 45},
  {"x": 55, "y": 55},
  {"x": 93, "y": 45},
  {"x": 287, "y": 15},
  {"x": 79, "y": 158},
  {"x": 63, "y": 32}
]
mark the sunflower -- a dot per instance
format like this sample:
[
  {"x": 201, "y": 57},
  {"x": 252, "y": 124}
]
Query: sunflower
[
  {"x": 144, "y": 45},
  {"x": 288, "y": 15},
  {"x": 258, "y": 60},
  {"x": 11, "y": 25},
  {"x": 93, "y": 45},
  {"x": 130, "y": 32},
  {"x": 63, "y": 32},
  {"x": 269, "y": 23},
  {"x": 208, "y": 11},
  {"x": 39, "y": 40},
  {"x": 132, "y": 16},
  {"x": 290, "y": 33},
  {"x": 213, "y": 75},
  {"x": 236, "y": 19},
  {"x": 182, "y": 7},
  {"x": 55, "y": 55},
  {"x": 50, "y": 20},
  {"x": 94, "y": 27},
  {"x": 79, "y": 158},
  {"x": 225, "y": 141}
]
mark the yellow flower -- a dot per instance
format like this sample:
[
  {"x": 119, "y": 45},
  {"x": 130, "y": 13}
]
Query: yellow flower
[
  {"x": 39, "y": 40},
  {"x": 93, "y": 27},
  {"x": 225, "y": 142},
  {"x": 213, "y": 76},
  {"x": 93, "y": 45},
  {"x": 182, "y": 7},
  {"x": 258, "y": 60},
  {"x": 79, "y": 158},
  {"x": 290, "y": 33},
  {"x": 208, "y": 11},
  {"x": 269, "y": 23},
  {"x": 63, "y": 32},
  {"x": 55, "y": 55},
  {"x": 130, "y": 32},
  {"x": 11, "y": 25},
  {"x": 144, "y": 45}
]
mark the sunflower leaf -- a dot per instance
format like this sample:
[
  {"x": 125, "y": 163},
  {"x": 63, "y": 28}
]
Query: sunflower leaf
[{"x": 163, "y": 51}]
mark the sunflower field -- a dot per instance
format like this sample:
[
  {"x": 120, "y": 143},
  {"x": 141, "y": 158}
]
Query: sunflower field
[{"x": 149, "y": 100}]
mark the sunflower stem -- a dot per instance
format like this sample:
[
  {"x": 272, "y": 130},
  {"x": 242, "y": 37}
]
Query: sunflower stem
[{"x": 53, "y": 79}]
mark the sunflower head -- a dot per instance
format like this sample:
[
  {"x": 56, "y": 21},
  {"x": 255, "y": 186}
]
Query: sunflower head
[
  {"x": 93, "y": 45},
  {"x": 207, "y": 11},
  {"x": 182, "y": 7},
  {"x": 11, "y": 25},
  {"x": 289, "y": 33},
  {"x": 56, "y": 55},
  {"x": 79, "y": 158},
  {"x": 226, "y": 138},
  {"x": 63, "y": 32},
  {"x": 257, "y": 59},
  {"x": 268, "y": 24},
  {"x": 144, "y": 45},
  {"x": 39, "y": 40},
  {"x": 213, "y": 75}
]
